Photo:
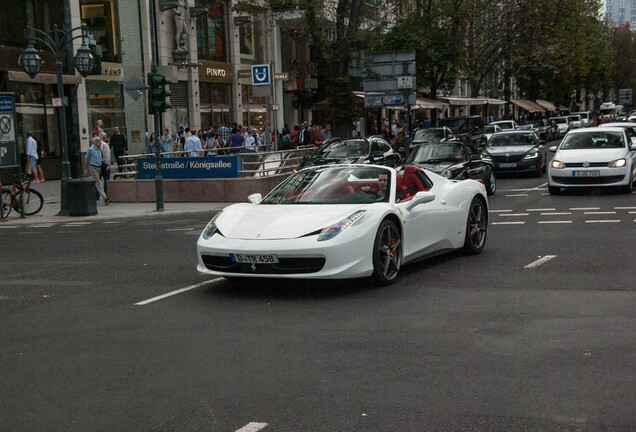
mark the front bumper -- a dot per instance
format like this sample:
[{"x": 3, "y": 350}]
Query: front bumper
[
  {"x": 566, "y": 177},
  {"x": 520, "y": 166},
  {"x": 338, "y": 258}
]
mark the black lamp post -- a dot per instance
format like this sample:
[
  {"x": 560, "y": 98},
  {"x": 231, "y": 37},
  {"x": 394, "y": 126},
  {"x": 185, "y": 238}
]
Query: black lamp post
[{"x": 58, "y": 42}]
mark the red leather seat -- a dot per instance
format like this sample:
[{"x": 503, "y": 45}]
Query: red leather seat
[
  {"x": 338, "y": 190},
  {"x": 412, "y": 184}
]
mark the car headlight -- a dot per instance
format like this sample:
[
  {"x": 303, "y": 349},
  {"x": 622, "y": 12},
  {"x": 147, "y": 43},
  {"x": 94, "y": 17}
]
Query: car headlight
[
  {"x": 557, "y": 164},
  {"x": 618, "y": 163},
  {"x": 211, "y": 228},
  {"x": 486, "y": 156},
  {"x": 446, "y": 174},
  {"x": 335, "y": 229},
  {"x": 531, "y": 155}
]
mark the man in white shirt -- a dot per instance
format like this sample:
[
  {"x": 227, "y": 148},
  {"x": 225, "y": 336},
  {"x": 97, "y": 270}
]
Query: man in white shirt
[
  {"x": 250, "y": 142},
  {"x": 192, "y": 145},
  {"x": 32, "y": 155}
]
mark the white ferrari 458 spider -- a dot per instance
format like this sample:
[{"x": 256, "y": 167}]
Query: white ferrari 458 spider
[{"x": 345, "y": 221}]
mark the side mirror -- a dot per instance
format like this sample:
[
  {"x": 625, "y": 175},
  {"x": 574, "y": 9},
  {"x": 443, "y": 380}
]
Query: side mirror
[
  {"x": 255, "y": 198},
  {"x": 474, "y": 157},
  {"x": 377, "y": 155},
  {"x": 420, "y": 198},
  {"x": 553, "y": 149},
  {"x": 632, "y": 147}
]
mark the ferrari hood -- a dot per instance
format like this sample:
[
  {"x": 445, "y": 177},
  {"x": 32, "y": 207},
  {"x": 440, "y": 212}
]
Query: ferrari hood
[
  {"x": 590, "y": 155},
  {"x": 269, "y": 222},
  {"x": 511, "y": 150}
]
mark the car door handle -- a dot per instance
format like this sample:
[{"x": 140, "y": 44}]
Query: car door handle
[{"x": 443, "y": 202}]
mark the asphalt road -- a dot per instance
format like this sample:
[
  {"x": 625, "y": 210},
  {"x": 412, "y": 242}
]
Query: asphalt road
[{"x": 477, "y": 343}]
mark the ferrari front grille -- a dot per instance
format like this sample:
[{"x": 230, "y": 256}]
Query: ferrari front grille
[{"x": 296, "y": 265}]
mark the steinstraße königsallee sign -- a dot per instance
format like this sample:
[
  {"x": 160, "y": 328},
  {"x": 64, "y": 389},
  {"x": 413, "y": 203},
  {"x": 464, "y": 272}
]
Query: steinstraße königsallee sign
[{"x": 190, "y": 167}]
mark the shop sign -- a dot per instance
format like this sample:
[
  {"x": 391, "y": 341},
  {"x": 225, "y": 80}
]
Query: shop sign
[
  {"x": 110, "y": 72},
  {"x": 215, "y": 72},
  {"x": 190, "y": 167}
]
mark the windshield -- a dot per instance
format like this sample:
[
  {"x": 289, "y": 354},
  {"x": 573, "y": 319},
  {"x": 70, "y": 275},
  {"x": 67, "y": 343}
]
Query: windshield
[
  {"x": 456, "y": 125},
  {"x": 594, "y": 140},
  {"x": 333, "y": 185},
  {"x": 560, "y": 120},
  {"x": 489, "y": 129},
  {"x": 574, "y": 118},
  {"x": 435, "y": 153},
  {"x": 429, "y": 135},
  {"x": 505, "y": 125},
  {"x": 516, "y": 139},
  {"x": 343, "y": 149}
]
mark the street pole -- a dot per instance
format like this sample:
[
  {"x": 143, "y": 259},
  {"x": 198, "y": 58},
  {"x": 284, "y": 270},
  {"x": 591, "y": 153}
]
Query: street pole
[
  {"x": 154, "y": 69},
  {"x": 66, "y": 166}
]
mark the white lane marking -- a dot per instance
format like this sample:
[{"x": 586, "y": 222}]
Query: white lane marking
[
  {"x": 179, "y": 291},
  {"x": 540, "y": 261},
  {"x": 529, "y": 189},
  {"x": 41, "y": 226},
  {"x": 252, "y": 427},
  {"x": 625, "y": 208},
  {"x": 514, "y": 214},
  {"x": 603, "y": 221},
  {"x": 556, "y": 214},
  {"x": 8, "y": 226},
  {"x": 499, "y": 211},
  {"x": 600, "y": 212},
  {"x": 541, "y": 210},
  {"x": 556, "y": 222},
  {"x": 634, "y": 212},
  {"x": 508, "y": 223},
  {"x": 112, "y": 222},
  {"x": 584, "y": 208},
  {"x": 180, "y": 229},
  {"x": 516, "y": 195},
  {"x": 77, "y": 224}
]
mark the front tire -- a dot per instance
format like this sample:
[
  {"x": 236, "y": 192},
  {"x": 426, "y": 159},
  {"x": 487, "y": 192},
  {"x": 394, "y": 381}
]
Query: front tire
[
  {"x": 476, "y": 227},
  {"x": 33, "y": 202},
  {"x": 491, "y": 185},
  {"x": 387, "y": 253}
]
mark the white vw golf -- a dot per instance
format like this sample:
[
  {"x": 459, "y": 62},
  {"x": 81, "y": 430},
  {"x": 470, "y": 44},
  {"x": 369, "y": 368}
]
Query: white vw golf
[
  {"x": 345, "y": 221},
  {"x": 593, "y": 157}
]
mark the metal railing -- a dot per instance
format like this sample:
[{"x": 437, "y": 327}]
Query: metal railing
[{"x": 254, "y": 164}]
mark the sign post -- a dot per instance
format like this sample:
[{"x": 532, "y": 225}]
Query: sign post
[{"x": 9, "y": 153}]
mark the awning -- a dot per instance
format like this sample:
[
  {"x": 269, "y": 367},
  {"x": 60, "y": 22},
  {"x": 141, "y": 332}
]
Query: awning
[
  {"x": 457, "y": 100},
  {"x": 491, "y": 101},
  {"x": 562, "y": 108},
  {"x": 527, "y": 105},
  {"x": 547, "y": 105},
  {"x": 44, "y": 78},
  {"x": 423, "y": 103}
]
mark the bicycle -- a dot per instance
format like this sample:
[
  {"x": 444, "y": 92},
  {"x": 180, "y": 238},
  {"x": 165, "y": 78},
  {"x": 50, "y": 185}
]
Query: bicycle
[{"x": 33, "y": 200}]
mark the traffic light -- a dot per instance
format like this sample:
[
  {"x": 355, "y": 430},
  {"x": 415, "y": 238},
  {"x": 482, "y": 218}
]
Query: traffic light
[{"x": 158, "y": 93}]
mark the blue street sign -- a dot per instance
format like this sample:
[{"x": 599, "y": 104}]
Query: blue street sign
[
  {"x": 261, "y": 75},
  {"x": 6, "y": 104},
  {"x": 190, "y": 167}
]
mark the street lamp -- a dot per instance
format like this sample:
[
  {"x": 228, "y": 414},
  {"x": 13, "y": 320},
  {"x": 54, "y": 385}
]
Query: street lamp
[{"x": 30, "y": 61}]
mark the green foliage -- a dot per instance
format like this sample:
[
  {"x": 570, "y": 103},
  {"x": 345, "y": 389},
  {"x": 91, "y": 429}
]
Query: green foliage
[
  {"x": 342, "y": 108},
  {"x": 285, "y": 143}
]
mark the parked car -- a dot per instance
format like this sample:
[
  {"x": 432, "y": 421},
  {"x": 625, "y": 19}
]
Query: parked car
[
  {"x": 543, "y": 129},
  {"x": 600, "y": 156},
  {"x": 516, "y": 151},
  {"x": 506, "y": 125},
  {"x": 563, "y": 125},
  {"x": 491, "y": 129},
  {"x": 455, "y": 160},
  {"x": 382, "y": 220},
  {"x": 586, "y": 118},
  {"x": 352, "y": 150},
  {"x": 575, "y": 120},
  {"x": 469, "y": 129}
]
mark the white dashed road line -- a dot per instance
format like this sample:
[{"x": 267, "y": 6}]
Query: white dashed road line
[
  {"x": 252, "y": 427},
  {"x": 499, "y": 211},
  {"x": 603, "y": 221},
  {"x": 8, "y": 226},
  {"x": 180, "y": 229},
  {"x": 508, "y": 223},
  {"x": 600, "y": 213},
  {"x": 556, "y": 222},
  {"x": 625, "y": 208},
  {"x": 541, "y": 210},
  {"x": 179, "y": 291},
  {"x": 556, "y": 214},
  {"x": 584, "y": 208},
  {"x": 514, "y": 214},
  {"x": 540, "y": 261},
  {"x": 517, "y": 195}
]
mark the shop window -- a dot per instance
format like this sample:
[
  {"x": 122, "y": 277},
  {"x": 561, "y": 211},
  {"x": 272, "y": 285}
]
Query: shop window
[
  {"x": 252, "y": 41},
  {"x": 18, "y": 14},
  {"x": 99, "y": 17},
  {"x": 211, "y": 29},
  {"x": 105, "y": 103},
  {"x": 215, "y": 104}
]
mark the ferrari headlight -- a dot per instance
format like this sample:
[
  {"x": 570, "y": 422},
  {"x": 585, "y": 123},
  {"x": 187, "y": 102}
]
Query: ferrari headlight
[
  {"x": 211, "y": 229},
  {"x": 335, "y": 229},
  {"x": 618, "y": 163},
  {"x": 557, "y": 164},
  {"x": 446, "y": 174},
  {"x": 532, "y": 155}
]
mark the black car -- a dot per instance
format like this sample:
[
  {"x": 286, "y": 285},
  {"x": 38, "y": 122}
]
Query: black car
[
  {"x": 435, "y": 134},
  {"x": 517, "y": 152},
  {"x": 455, "y": 160},
  {"x": 469, "y": 129},
  {"x": 373, "y": 150}
]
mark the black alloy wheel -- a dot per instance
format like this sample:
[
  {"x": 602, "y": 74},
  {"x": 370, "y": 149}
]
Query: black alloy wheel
[
  {"x": 476, "y": 227},
  {"x": 387, "y": 253}
]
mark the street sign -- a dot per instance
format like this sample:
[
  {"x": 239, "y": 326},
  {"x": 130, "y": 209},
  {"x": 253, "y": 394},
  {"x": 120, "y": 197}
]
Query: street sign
[
  {"x": 135, "y": 88},
  {"x": 385, "y": 85},
  {"x": 393, "y": 69},
  {"x": 56, "y": 102},
  {"x": 379, "y": 101},
  {"x": 275, "y": 107},
  {"x": 405, "y": 82},
  {"x": 625, "y": 96},
  {"x": 9, "y": 155},
  {"x": 281, "y": 76},
  {"x": 393, "y": 56},
  {"x": 261, "y": 75}
]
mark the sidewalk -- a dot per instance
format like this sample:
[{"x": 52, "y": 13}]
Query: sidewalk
[{"x": 50, "y": 190}]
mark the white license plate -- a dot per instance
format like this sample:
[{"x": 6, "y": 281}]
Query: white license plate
[
  {"x": 254, "y": 259},
  {"x": 507, "y": 165},
  {"x": 590, "y": 173}
]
